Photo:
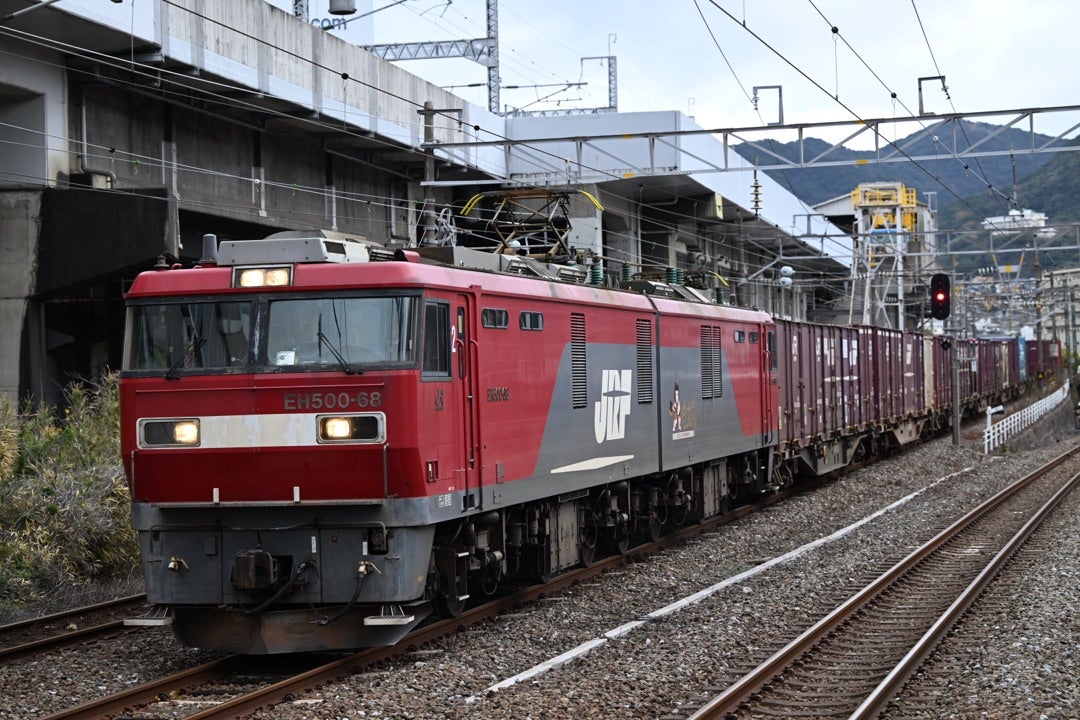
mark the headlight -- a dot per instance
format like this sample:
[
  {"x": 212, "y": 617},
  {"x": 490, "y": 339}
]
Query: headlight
[
  {"x": 169, "y": 433},
  {"x": 366, "y": 428},
  {"x": 186, "y": 433},
  {"x": 337, "y": 428},
  {"x": 262, "y": 276}
]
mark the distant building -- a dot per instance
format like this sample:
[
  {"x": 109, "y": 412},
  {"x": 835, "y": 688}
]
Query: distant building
[
  {"x": 1018, "y": 221},
  {"x": 1059, "y": 293}
]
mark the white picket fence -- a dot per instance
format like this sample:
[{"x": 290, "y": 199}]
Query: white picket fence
[{"x": 997, "y": 433}]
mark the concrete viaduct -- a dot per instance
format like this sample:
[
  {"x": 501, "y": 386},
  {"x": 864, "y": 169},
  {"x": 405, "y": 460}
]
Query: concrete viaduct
[{"x": 127, "y": 131}]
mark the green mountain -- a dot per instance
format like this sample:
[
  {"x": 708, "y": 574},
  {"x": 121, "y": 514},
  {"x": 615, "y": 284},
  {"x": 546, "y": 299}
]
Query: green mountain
[
  {"x": 967, "y": 190},
  {"x": 949, "y": 177},
  {"x": 1053, "y": 189}
]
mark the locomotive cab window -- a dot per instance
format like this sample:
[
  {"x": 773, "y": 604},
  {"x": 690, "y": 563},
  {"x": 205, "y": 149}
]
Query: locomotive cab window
[
  {"x": 437, "y": 339},
  {"x": 740, "y": 336},
  {"x": 177, "y": 337},
  {"x": 349, "y": 332},
  {"x": 261, "y": 335}
]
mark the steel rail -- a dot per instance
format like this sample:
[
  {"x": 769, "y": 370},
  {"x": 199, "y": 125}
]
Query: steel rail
[
  {"x": 70, "y": 636},
  {"x": 65, "y": 614},
  {"x": 147, "y": 692},
  {"x": 888, "y": 688},
  {"x": 282, "y": 690},
  {"x": 734, "y": 696}
]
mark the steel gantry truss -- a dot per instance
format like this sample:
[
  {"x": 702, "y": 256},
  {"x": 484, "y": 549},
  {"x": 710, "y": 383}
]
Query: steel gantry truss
[
  {"x": 484, "y": 51},
  {"x": 944, "y": 130}
]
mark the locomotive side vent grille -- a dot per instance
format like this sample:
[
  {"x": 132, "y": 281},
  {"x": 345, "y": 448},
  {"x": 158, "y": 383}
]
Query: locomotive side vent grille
[
  {"x": 644, "y": 361},
  {"x": 712, "y": 374},
  {"x": 579, "y": 385}
]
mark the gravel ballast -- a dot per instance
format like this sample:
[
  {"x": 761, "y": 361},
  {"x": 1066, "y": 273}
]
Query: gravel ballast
[{"x": 639, "y": 666}]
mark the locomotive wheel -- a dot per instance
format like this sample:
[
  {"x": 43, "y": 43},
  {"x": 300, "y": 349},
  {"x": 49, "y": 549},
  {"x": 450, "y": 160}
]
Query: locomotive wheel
[
  {"x": 447, "y": 602},
  {"x": 661, "y": 512},
  {"x": 588, "y": 538},
  {"x": 491, "y": 577},
  {"x": 782, "y": 475},
  {"x": 656, "y": 528},
  {"x": 620, "y": 537},
  {"x": 677, "y": 514},
  {"x": 622, "y": 540},
  {"x": 587, "y": 554}
]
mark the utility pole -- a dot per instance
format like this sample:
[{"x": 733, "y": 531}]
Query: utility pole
[
  {"x": 955, "y": 391},
  {"x": 428, "y": 113},
  {"x": 1038, "y": 309}
]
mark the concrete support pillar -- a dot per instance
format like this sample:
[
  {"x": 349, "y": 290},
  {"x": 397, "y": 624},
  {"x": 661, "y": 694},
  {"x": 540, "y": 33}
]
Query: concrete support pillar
[{"x": 20, "y": 216}]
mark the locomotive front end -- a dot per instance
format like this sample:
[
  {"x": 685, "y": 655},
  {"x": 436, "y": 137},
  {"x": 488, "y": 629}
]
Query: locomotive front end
[{"x": 258, "y": 403}]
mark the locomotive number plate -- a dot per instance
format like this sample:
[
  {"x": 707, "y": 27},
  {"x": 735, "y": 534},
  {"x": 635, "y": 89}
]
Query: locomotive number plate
[{"x": 333, "y": 400}]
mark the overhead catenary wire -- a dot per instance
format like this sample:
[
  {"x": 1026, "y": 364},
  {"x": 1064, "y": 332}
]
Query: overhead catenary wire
[
  {"x": 225, "y": 100},
  {"x": 981, "y": 176},
  {"x": 496, "y": 136},
  {"x": 835, "y": 30},
  {"x": 784, "y": 181},
  {"x": 235, "y": 102},
  {"x": 948, "y": 96}
]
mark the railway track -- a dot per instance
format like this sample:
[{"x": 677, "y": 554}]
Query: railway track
[
  {"x": 855, "y": 659},
  {"x": 49, "y": 632},
  {"x": 234, "y": 686},
  {"x": 987, "y": 637}
]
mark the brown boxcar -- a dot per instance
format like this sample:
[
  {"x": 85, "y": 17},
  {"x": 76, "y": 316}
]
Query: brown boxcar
[{"x": 825, "y": 382}]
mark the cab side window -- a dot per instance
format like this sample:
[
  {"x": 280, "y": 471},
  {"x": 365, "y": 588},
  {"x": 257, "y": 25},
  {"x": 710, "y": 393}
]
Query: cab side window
[{"x": 437, "y": 339}]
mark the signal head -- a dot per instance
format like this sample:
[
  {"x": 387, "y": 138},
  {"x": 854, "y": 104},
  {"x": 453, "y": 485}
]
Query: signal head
[{"x": 939, "y": 296}]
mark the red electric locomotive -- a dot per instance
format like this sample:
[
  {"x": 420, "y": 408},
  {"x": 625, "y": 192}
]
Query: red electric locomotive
[{"x": 326, "y": 441}]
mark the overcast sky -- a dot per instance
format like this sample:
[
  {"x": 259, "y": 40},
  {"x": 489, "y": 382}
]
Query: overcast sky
[{"x": 705, "y": 57}]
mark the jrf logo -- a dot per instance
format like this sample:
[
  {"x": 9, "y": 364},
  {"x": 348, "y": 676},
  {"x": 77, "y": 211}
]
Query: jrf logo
[{"x": 609, "y": 419}]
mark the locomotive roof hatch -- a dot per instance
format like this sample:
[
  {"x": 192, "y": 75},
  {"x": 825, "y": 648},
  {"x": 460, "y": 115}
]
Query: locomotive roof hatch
[
  {"x": 325, "y": 246},
  {"x": 456, "y": 256},
  {"x": 297, "y": 246},
  {"x": 521, "y": 233},
  {"x": 668, "y": 290}
]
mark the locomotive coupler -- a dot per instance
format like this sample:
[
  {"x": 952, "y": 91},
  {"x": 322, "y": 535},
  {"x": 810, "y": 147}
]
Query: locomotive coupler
[{"x": 254, "y": 570}]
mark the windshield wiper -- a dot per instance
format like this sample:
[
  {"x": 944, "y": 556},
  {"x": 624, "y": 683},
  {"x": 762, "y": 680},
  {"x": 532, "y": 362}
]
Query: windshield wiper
[
  {"x": 197, "y": 341},
  {"x": 349, "y": 370}
]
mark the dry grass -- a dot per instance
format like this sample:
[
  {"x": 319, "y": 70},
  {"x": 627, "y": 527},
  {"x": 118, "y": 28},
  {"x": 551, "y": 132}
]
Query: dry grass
[{"x": 64, "y": 528}]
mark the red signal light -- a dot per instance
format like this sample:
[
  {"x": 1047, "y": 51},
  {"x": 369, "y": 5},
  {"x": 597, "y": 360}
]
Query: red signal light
[{"x": 939, "y": 296}]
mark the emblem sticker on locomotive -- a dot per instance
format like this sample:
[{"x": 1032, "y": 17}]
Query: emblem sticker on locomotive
[
  {"x": 609, "y": 419},
  {"x": 683, "y": 419}
]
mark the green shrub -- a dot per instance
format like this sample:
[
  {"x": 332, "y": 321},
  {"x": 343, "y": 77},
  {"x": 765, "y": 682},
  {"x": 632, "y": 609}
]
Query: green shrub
[{"x": 64, "y": 505}]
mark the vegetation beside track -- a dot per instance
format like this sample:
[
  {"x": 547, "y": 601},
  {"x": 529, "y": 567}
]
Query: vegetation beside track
[{"x": 64, "y": 528}]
